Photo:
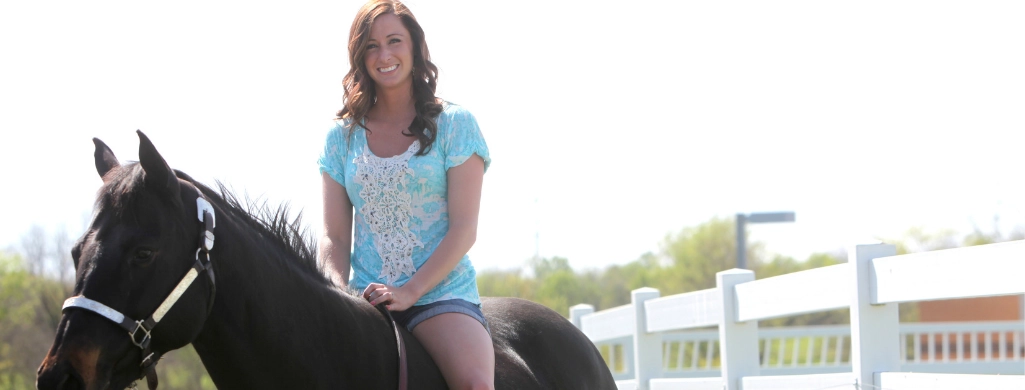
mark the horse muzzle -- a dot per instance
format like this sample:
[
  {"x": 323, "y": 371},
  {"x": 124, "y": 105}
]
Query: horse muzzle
[
  {"x": 78, "y": 368},
  {"x": 54, "y": 375}
]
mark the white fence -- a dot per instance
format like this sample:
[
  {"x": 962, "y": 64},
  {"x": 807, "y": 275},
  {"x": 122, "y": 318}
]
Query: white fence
[
  {"x": 875, "y": 351},
  {"x": 968, "y": 347}
]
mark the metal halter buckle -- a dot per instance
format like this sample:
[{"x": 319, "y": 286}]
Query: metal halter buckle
[
  {"x": 145, "y": 339},
  {"x": 148, "y": 360},
  {"x": 204, "y": 260},
  {"x": 209, "y": 219}
]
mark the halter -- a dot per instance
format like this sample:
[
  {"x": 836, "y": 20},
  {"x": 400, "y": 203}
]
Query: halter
[{"x": 140, "y": 331}]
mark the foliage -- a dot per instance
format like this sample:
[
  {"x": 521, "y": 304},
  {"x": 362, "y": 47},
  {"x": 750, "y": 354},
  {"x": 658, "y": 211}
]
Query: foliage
[
  {"x": 688, "y": 261},
  {"x": 29, "y": 314},
  {"x": 697, "y": 254},
  {"x": 26, "y": 331}
]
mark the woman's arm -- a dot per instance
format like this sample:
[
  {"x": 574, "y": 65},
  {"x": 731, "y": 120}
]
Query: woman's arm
[
  {"x": 464, "y": 189},
  {"x": 336, "y": 245}
]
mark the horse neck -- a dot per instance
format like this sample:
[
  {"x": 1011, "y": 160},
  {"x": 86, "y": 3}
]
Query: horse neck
[{"x": 268, "y": 312}]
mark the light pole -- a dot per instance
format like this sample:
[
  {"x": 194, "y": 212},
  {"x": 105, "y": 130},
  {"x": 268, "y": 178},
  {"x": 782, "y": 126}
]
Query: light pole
[{"x": 744, "y": 219}]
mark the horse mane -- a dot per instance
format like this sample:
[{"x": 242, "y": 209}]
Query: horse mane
[
  {"x": 289, "y": 234},
  {"x": 273, "y": 226}
]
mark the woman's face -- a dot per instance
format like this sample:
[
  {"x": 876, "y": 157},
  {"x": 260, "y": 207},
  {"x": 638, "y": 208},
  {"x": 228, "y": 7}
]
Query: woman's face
[{"x": 389, "y": 56}]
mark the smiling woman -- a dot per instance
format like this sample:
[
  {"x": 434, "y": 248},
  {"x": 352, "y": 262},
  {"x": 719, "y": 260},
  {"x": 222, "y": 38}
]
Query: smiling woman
[
  {"x": 783, "y": 95},
  {"x": 406, "y": 168},
  {"x": 389, "y": 53}
]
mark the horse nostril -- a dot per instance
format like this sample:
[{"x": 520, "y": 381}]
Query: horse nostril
[
  {"x": 50, "y": 380},
  {"x": 71, "y": 382},
  {"x": 59, "y": 377}
]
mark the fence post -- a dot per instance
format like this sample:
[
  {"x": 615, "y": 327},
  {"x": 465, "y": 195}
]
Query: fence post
[
  {"x": 875, "y": 329},
  {"x": 647, "y": 346},
  {"x": 738, "y": 341},
  {"x": 577, "y": 312}
]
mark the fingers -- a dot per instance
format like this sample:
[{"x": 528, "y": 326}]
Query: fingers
[
  {"x": 395, "y": 297},
  {"x": 383, "y": 297},
  {"x": 377, "y": 293},
  {"x": 370, "y": 289}
]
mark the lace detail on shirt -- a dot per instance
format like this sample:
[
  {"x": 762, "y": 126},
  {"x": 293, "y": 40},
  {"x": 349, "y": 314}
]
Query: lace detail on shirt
[{"x": 387, "y": 209}]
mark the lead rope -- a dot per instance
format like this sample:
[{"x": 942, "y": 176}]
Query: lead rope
[{"x": 403, "y": 366}]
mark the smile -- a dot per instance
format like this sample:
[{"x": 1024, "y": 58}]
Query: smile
[{"x": 388, "y": 69}]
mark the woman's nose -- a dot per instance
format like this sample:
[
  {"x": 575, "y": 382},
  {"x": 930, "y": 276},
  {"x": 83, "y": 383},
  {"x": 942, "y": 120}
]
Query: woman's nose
[{"x": 384, "y": 54}]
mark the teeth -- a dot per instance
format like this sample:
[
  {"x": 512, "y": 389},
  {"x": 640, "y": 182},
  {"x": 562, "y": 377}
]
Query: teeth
[{"x": 388, "y": 69}]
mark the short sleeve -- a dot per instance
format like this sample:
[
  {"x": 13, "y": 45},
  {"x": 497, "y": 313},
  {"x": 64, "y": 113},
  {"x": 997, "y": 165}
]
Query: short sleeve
[
  {"x": 461, "y": 138},
  {"x": 332, "y": 160}
]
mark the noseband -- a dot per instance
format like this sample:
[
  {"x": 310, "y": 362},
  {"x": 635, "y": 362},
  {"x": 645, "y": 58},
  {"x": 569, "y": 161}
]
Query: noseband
[{"x": 139, "y": 331}]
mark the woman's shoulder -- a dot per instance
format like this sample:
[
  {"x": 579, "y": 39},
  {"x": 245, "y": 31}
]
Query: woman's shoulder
[
  {"x": 454, "y": 111},
  {"x": 340, "y": 124},
  {"x": 339, "y": 132},
  {"x": 342, "y": 127}
]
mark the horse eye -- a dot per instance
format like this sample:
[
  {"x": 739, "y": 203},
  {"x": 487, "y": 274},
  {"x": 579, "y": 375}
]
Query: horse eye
[
  {"x": 76, "y": 252},
  {"x": 143, "y": 254}
]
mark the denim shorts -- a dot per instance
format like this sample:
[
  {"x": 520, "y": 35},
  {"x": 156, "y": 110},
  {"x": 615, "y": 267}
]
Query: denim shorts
[{"x": 413, "y": 316}]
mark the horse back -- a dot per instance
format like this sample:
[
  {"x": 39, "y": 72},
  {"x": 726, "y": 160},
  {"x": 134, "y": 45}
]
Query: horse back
[{"x": 536, "y": 348}]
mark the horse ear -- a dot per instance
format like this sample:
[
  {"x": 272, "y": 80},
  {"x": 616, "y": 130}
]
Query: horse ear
[
  {"x": 158, "y": 174},
  {"x": 105, "y": 160}
]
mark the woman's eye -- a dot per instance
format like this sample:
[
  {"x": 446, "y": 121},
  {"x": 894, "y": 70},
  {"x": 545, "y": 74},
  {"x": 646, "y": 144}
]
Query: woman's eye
[
  {"x": 371, "y": 46},
  {"x": 394, "y": 40}
]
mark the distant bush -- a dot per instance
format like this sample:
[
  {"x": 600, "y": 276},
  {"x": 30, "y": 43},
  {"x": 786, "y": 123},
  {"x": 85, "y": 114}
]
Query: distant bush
[{"x": 29, "y": 314}]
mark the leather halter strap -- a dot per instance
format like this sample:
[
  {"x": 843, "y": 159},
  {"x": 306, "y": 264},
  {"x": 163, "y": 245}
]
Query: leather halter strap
[
  {"x": 149, "y": 358},
  {"x": 133, "y": 326},
  {"x": 403, "y": 365}
]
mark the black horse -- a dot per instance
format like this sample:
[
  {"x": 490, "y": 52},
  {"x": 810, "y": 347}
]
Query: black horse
[{"x": 259, "y": 312}]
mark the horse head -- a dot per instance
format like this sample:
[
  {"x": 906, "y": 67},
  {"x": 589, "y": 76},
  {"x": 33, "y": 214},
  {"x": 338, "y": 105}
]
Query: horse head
[{"x": 137, "y": 253}]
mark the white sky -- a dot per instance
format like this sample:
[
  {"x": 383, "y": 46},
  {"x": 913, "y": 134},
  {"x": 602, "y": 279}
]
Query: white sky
[{"x": 611, "y": 123}]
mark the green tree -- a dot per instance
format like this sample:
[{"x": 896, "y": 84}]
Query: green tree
[
  {"x": 545, "y": 267},
  {"x": 558, "y": 286},
  {"x": 980, "y": 237},
  {"x": 25, "y": 331},
  {"x": 617, "y": 281},
  {"x": 920, "y": 239},
  {"x": 696, "y": 254},
  {"x": 505, "y": 283},
  {"x": 688, "y": 261},
  {"x": 29, "y": 305}
]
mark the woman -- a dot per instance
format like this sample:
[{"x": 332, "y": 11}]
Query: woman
[{"x": 407, "y": 168}]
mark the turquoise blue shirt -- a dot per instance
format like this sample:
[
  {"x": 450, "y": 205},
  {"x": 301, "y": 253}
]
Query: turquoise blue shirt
[{"x": 400, "y": 202}]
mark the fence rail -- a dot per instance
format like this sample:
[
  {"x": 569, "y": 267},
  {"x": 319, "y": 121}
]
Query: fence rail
[
  {"x": 991, "y": 348},
  {"x": 657, "y": 342}
]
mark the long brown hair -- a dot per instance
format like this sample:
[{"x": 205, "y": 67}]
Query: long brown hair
[{"x": 360, "y": 93}]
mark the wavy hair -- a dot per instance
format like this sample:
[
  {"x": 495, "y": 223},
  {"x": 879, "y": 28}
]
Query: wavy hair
[{"x": 360, "y": 93}]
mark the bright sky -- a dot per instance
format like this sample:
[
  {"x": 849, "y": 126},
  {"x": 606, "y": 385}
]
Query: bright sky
[{"x": 611, "y": 123}]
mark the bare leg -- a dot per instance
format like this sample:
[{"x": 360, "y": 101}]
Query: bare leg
[{"x": 462, "y": 349}]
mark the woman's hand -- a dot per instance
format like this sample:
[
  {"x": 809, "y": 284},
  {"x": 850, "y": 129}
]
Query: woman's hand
[{"x": 397, "y": 298}]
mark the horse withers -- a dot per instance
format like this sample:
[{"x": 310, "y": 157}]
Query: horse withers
[{"x": 255, "y": 305}]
